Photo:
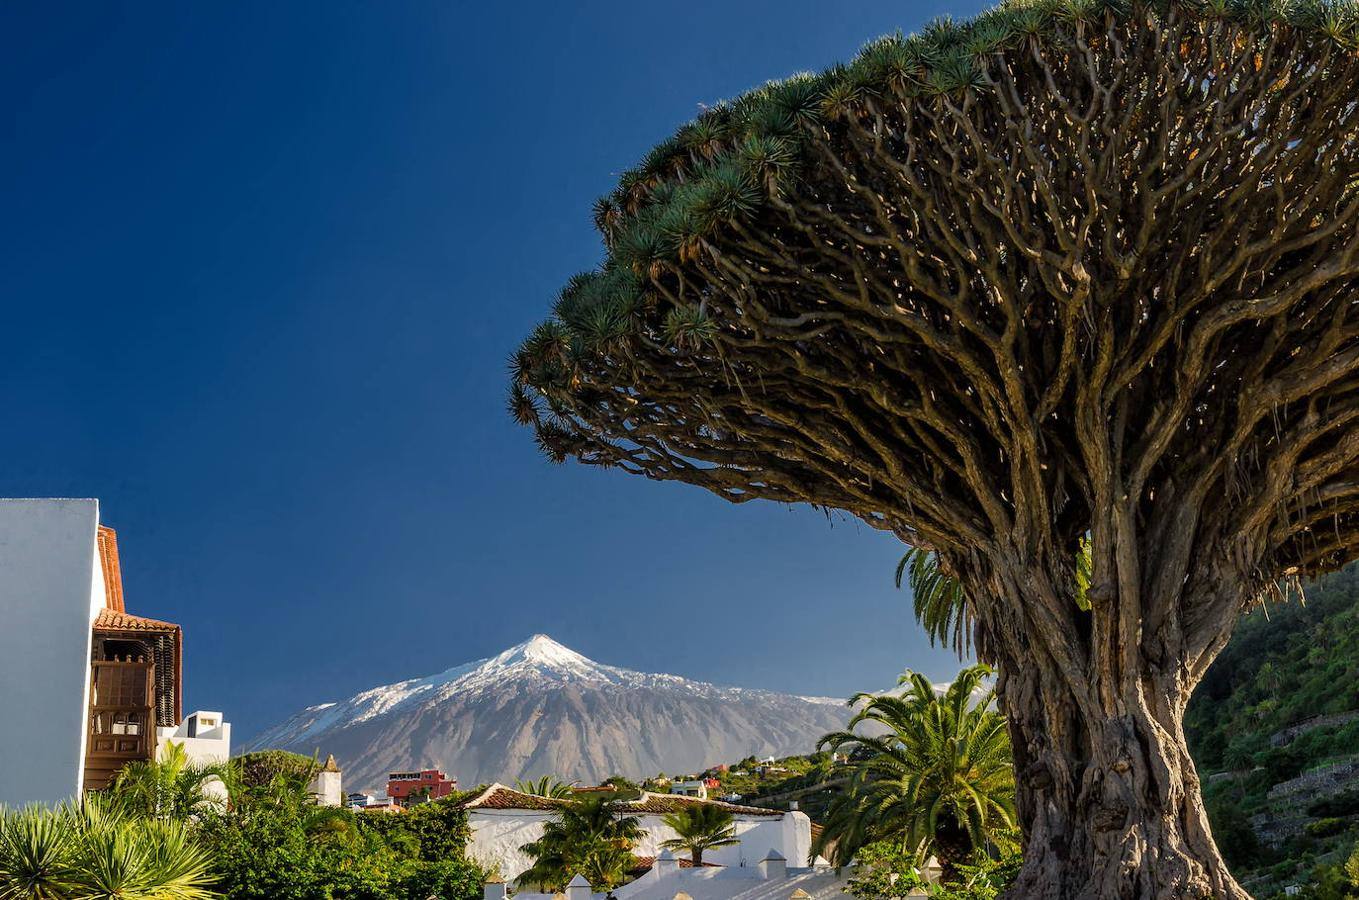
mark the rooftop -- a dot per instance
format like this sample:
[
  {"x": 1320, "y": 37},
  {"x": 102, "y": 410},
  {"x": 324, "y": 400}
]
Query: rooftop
[
  {"x": 497, "y": 796},
  {"x": 116, "y": 620}
]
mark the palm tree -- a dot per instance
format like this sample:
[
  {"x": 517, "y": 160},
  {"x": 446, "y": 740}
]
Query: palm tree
[
  {"x": 700, "y": 827},
  {"x": 99, "y": 852},
  {"x": 587, "y": 837},
  {"x": 170, "y": 786},
  {"x": 942, "y": 607},
  {"x": 940, "y": 779},
  {"x": 548, "y": 786}
]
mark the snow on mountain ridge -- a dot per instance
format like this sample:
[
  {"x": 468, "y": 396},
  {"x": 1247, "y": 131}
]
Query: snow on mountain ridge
[
  {"x": 541, "y": 708},
  {"x": 540, "y": 658}
]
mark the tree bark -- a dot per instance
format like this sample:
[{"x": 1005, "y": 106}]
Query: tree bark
[{"x": 1107, "y": 792}]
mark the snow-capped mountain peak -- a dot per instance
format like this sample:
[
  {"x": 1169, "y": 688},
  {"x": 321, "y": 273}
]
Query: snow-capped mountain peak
[
  {"x": 541, "y": 651},
  {"x": 542, "y": 708}
]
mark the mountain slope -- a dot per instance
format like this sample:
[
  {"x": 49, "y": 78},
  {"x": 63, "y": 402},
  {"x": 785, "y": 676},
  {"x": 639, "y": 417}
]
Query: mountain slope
[
  {"x": 540, "y": 708},
  {"x": 1274, "y": 731}
]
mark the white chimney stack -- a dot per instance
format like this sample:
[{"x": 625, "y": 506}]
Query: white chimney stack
[
  {"x": 494, "y": 890},
  {"x": 774, "y": 865},
  {"x": 579, "y": 889},
  {"x": 666, "y": 865}
]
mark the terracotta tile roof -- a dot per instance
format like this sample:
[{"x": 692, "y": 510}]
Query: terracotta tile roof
[
  {"x": 116, "y": 620},
  {"x": 663, "y": 804},
  {"x": 107, "y": 540},
  {"x": 497, "y": 796}
]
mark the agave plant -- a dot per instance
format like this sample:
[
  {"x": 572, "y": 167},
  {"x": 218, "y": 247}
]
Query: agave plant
[
  {"x": 99, "y": 852},
  {"x": 37, "y": 854}
]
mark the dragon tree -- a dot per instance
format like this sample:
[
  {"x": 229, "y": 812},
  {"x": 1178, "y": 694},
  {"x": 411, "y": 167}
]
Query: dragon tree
[{"x": 1073, "y": 271}]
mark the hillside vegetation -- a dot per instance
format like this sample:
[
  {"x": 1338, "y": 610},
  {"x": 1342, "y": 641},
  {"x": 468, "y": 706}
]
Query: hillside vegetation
[{"x": 1274, "y": 729}]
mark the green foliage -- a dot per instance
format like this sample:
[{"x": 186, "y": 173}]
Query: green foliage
[
  {"x": 939, "y": 603},
  {"x": 589, "y": 838},
  {"x": 259, "y": 769},
  {"x": 438, "y": 829},
  {"x": 275, "y": 843},
  {"x": 940, "y": 780},
  {"x": 1345, "y": 803},
  {"x": 698, "y": 828},
  {"x": 1235, "y": 838},
  {"x": 168, "y": 787},
  {"x": 1284, "y": 665},
  {"x": 885, "y": 872},
  {"x": 1334, "y": 882},
  {"x": 99, "y": 852},
  {"x": 547, "y": 786}
]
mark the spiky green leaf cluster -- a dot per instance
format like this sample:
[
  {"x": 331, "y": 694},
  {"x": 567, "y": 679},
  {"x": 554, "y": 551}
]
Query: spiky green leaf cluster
[{"x": 739, "y": 155}]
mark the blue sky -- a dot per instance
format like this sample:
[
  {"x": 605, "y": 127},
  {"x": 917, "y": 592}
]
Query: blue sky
[{"x": 261, "y": 265}]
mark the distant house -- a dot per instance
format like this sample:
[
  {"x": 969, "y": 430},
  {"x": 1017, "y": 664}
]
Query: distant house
[
  {"x": 503, "y": 820},
  {"x": 359, "y": 800},
  {"x": 417, "y": 787},
  {"x": 382, "y": 804},
  {"x": 89, "y": 686},
  {"x": 696, "y": 788}
]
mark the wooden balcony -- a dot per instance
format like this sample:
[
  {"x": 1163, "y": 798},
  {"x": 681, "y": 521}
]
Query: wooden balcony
[{"x": 122, "y": 724}]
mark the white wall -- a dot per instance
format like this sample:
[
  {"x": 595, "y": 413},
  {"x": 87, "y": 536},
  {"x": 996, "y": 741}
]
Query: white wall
[
  {"x": 328, "y": 788},
  {"x": 51, "y": 590},
  {"x": 497, "y": 835},
  {"x": 790, "y": 834},
  {"x": 208, "y": 745}
]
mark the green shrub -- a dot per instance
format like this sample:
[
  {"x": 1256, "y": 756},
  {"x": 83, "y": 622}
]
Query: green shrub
[
  {"x": 278, "y": 846},
  {"x": 1327, "y": 826},
  {"x": 1345, "y": 803}
]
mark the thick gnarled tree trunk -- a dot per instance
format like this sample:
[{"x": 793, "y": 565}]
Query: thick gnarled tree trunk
[
  {"x": 1107, "y": 792},
  {"x": 1108, "y": 795}
]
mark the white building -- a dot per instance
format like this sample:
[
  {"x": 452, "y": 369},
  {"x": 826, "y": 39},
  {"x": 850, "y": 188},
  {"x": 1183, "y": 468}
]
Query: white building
[
  {"x": 327, "y": 785},
  {"x": 772, "y": 878},
  {"x": 697, "y": 788},
  {"x": 88, "y": 686},
  {"x": 503, "y": 820},
  {"x": 769, "y": 879}
]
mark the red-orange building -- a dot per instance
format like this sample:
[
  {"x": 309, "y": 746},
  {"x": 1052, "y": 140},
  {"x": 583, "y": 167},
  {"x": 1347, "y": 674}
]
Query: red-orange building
[{"x": 427, "y": 784}]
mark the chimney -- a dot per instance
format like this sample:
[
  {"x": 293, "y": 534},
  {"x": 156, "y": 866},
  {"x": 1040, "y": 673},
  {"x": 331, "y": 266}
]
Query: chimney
[
  {"x": 666, "y": 865},
  {"x": 774, "y": 865},
  {"x": 579, "y": 889},
  {"x": 494, "y": 890},
  {"x": 792, "y": 804}
]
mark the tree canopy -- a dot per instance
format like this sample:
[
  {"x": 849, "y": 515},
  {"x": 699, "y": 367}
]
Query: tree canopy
[{"x": 915, "y": 287}]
